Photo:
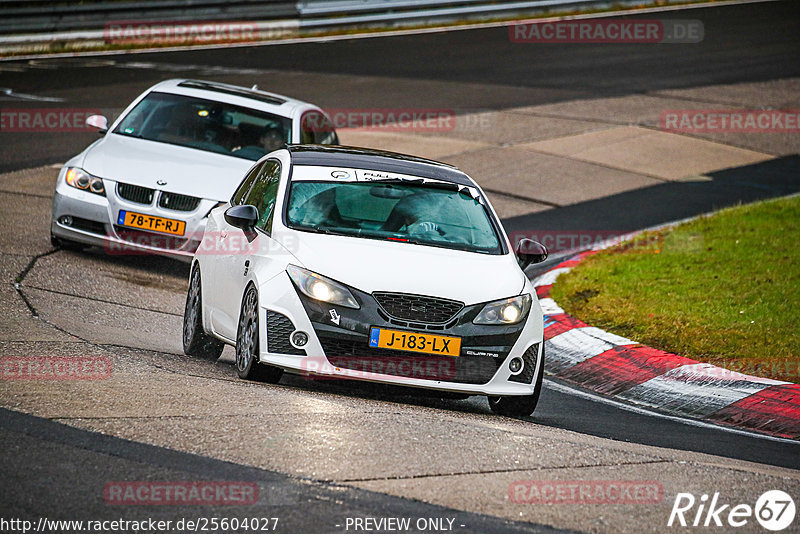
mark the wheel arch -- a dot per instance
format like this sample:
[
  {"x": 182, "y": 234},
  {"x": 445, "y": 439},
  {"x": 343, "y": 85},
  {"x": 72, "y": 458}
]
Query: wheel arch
[{"x": 205, "y": 320}]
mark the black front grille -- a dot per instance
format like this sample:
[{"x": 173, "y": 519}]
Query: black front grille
[
  {"x": 418, "y": 308},
  {"x": 358, "y": 356},
  {"x": 279, "y": 328},
  {"x": 530, "y": 357},
  {"x": 174, "y": 201},
  {"x": 135, "y": 193}
]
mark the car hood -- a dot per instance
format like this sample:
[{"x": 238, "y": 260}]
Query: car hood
[
  {"x": 187, "y": 171},
  {"x": 373, "y": 265}
]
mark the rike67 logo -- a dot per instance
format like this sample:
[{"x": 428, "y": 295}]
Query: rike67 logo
[{"x": 774, "y": 510}]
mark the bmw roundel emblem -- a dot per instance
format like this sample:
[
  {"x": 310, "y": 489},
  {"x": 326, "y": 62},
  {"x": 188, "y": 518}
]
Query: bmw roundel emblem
[{"x": 161, "y": 182}]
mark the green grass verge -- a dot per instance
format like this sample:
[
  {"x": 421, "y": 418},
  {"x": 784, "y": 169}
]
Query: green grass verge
[{"x": 723, "y": 289}]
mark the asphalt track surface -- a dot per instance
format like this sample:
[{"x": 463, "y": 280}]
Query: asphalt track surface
[
  {"x": 744, "y": 43},
  {"x": 756, "y": 42}
]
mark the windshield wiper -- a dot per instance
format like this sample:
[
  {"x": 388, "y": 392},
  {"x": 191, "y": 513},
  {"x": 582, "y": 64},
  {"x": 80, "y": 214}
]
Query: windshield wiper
[
  {"x": 322, "y": 230},
  {"x": 439, "y": 244},
  {"x": 314, "y": 229}
]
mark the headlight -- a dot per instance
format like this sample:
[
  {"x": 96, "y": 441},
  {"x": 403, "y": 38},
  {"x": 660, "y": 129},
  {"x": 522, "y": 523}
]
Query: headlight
[
  {"x": 506, "y": 311},
  {"x": 320, "y": 288},
  {"x": 80, "y": 179}
]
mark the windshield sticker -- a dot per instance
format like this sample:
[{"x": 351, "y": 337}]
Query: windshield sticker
[
  {"x": 368, "y": 176},
  {"x": 340, "y": 175},
  {"x": 316, "y": 173}
]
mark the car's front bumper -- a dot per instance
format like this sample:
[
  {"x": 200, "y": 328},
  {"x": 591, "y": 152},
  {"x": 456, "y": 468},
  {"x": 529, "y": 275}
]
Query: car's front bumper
[
  {"x": 94, "y": 220},
  {"x": 338, "y": 346}
]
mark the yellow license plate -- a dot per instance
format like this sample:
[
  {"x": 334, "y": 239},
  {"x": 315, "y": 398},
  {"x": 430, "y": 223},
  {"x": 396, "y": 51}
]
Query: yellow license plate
[
  {"x": 414, "y": 342},
  {"x": 151, "y": 222}
]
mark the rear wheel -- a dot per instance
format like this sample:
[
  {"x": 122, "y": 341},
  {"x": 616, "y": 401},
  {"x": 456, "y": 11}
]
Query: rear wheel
[
  {"x": 523, "y": 405},
  {"x": 247, "y": 364},
  {"x": 195, "y": 340}
]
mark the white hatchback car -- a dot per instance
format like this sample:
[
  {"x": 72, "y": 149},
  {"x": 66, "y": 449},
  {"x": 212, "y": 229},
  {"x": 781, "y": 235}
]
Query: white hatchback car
[
  {"x": 180, "y": 149},
  {"x": 358, "y": 264}
]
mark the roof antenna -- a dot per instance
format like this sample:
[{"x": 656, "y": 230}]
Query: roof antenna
[{"x": 255, "y": 87}]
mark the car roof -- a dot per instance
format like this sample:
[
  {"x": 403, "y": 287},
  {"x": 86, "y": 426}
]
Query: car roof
[
  {"x": 376, "y": 160},
  {"x": 233, "y": 94}
]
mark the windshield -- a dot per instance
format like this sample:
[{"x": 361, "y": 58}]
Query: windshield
[
  {"x": 435, "y": 214},
  {"x": 206, "y": 125}
]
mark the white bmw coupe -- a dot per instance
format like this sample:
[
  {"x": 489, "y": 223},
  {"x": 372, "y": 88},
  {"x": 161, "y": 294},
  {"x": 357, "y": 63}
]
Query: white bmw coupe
[
  {"x": 179, "y": 150},
  {"x": 349, "y": 263}
]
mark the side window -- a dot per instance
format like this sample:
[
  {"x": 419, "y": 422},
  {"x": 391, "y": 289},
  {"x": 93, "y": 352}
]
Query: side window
[
  {"x": 245, "y": 186},
  {"x": 264, "y": 192},
  {"x": 316, "y": 128}
]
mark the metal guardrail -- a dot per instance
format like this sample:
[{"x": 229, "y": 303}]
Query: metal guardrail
[
  {"x": 25, "y": 23},
  {"x": 41, "y": 16},
  {"x": 429, "y": 10},
  {"x": 340, "y": 7}
]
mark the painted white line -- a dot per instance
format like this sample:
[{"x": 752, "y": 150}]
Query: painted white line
[
  {"x": 608, "y": 337},
  {"x": 594, "y": 397},
  {"x": 550, "y": 276},
  {"x": 549, "y": 306},
  {"x": 696, "y": 390},
  {"x": 580, "y": 344},
  {"x": 705, "y": 372},
  {"x": 392, "y": 33},
  {"x": 687, "y": 398}
]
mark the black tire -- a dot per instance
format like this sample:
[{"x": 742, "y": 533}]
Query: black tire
[
  {"x": 247, "y": 352},
  {"x": 522, "y": 405},
  {"x": 66, "y": 244},
  {"x": 195, "y": 340}
]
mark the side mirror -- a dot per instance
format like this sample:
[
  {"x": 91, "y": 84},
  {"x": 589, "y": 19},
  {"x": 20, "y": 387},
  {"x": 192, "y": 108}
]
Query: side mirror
[
  {"x": 244, "y": 217},
  {"x": 529, "y": 252},
  {"x": 99, "y": 122}
]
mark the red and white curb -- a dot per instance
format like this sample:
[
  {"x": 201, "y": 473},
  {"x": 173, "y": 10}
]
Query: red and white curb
[{"x": 623, "y": 369}]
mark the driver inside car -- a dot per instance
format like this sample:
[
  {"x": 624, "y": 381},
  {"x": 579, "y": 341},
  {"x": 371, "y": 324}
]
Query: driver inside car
[
  {"x": 408, "y": 213},
  {"x": 272, "y": 139}
]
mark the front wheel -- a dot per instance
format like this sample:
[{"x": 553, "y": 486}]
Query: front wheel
[
  {"x": 195, "y": 340},
  {"x": 247, "y": 365},
  {"x": 522, "y": 405}
]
